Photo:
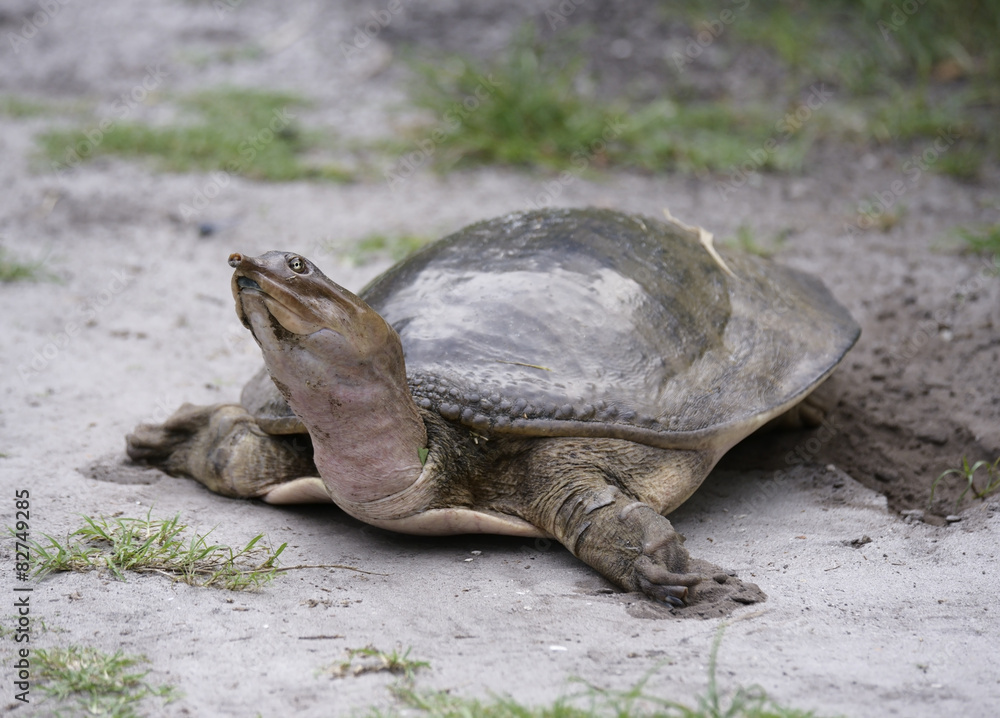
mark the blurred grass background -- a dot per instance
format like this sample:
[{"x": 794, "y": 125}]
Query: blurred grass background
[
  {"x": 722, "y": 80},
  {"x": 903, "y": 72},
  {"x": 898, "y": 76}
]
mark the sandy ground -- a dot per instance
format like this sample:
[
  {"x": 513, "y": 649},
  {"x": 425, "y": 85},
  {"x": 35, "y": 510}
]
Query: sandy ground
[{"x": 142, "y": 320}]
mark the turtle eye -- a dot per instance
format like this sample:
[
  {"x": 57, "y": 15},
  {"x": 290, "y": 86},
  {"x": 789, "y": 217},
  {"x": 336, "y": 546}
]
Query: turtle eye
[{"x": 297, "y": 264}]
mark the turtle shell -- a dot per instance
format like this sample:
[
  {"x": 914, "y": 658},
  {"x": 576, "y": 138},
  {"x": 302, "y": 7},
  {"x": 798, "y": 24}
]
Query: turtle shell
[{"x": 598, "y": 323}]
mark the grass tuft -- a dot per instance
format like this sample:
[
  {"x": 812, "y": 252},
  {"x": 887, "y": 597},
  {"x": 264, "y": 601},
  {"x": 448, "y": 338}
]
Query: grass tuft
[
  {"x": 746, "y": 240},
  {"x": 983, "y": 240},
  {"x": 149, "y": 545},
  {"x": 375, "y": 246},
  {"x": 595, "y": 702},
  {"x": 522, "y": 109},
  {"x": 14, "y": 270},
  {"x": 18, "y": 107},
  {"x": 373, "y": 660},
  {"x": 992, "y": 482},
  {"x": 93, "y": 683},
  {"x": 251, "y": 133}
]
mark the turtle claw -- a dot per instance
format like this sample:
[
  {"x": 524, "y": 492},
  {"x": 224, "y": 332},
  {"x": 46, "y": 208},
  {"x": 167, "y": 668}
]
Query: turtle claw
[
  {"x": 673, "y": 595},
  {"x": 674, "y": 601},
  {"x": 663, "y": 585}
]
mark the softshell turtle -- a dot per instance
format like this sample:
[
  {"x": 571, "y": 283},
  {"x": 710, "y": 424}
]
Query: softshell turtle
[{"x": 572, "y": 374}]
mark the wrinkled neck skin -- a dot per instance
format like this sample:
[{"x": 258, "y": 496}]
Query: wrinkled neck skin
[{"x": 351, "y": 394}]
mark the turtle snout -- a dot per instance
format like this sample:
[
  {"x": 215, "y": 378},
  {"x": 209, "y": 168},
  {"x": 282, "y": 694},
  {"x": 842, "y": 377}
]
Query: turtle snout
[{"x": 237, "y": 260}]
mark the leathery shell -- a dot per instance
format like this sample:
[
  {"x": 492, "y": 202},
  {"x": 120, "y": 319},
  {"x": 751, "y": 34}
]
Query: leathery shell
[{"x": 598, "y": 323}]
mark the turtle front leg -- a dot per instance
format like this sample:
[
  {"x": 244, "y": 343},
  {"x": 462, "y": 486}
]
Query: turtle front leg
[
  {"x": 222, "y": 447},
  {"x": 626, "y": 540}
]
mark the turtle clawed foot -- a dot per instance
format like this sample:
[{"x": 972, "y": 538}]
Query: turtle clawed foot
[
  {"x": 163, "y": 444},
  {"x": 168, "y": 445},
  {"x": 661, "y": 570}
]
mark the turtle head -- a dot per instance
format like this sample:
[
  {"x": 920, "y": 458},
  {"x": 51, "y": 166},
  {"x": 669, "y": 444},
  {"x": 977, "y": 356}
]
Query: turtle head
[
  {"x": 287, "y": 302},
  {"x": 340, "y": 367}
]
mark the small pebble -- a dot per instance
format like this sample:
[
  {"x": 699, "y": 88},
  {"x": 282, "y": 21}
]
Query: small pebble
[{"x": 952, "y": 518}]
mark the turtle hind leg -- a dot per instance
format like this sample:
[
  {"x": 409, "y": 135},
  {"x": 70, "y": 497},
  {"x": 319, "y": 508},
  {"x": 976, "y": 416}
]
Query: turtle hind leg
[
  {"x": 808, "y": 413},
  {"x": 222, "y": 447}
]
